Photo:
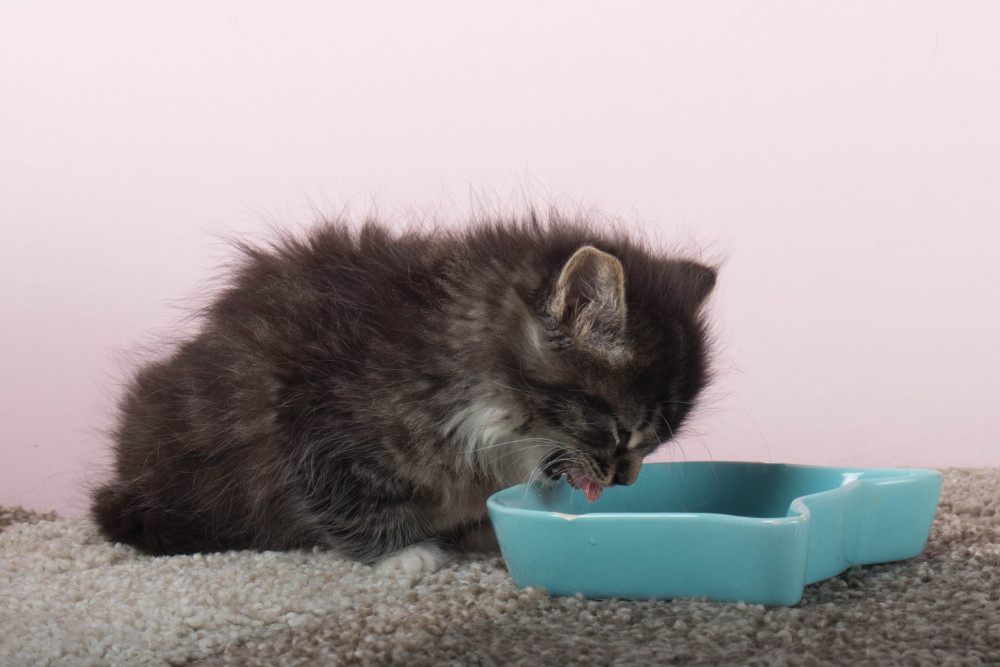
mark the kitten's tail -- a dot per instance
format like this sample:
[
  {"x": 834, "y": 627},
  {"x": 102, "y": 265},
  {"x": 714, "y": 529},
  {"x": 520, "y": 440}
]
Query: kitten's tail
[
  {"x": 126, "y": 512},
  {"x": 120, "y": 514}
]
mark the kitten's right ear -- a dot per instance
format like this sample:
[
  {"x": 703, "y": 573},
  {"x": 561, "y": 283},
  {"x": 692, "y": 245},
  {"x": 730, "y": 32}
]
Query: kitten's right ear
[{"x": 589, "y": 300}]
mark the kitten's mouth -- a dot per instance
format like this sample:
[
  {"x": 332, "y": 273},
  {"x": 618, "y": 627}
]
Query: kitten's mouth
[
  {"x": 578, "y": 480},
  {"x": 556, "y": 468}
]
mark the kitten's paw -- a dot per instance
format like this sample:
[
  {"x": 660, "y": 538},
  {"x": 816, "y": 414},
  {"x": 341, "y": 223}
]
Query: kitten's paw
[{"x": 423, "y": 558}]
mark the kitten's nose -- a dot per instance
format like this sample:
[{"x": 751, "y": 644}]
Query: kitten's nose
[{"x": 626, "y": 472}]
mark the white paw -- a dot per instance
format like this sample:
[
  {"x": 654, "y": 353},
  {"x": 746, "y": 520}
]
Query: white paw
[{"x": 423, "y": 558}]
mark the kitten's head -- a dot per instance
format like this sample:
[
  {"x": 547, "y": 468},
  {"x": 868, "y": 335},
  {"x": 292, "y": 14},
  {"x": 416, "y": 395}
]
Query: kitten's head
[{"x": 613, "y": 358}]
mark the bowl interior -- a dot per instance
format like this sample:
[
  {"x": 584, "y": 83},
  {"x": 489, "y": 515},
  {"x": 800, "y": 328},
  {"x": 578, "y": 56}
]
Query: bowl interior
[{"x": 738, "y": 489}]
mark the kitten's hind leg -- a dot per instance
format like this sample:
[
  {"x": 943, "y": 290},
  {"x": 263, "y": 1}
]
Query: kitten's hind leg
[{"x": 422, "y": 558}]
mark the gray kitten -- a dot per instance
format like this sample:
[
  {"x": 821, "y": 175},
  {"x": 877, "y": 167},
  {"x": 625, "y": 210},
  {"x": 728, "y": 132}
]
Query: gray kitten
[{"x": 366, "y": 391}]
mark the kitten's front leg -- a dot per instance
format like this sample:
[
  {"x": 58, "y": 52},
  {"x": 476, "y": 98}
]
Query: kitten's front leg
[
  {"x": 422, "y": 558},
  {"x": 429, "y": 557},
  {"x": 479, "y": 538}
]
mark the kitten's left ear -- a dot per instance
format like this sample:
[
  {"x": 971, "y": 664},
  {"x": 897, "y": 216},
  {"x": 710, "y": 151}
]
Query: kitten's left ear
[
  {"x": 700, "y": 279},
  {"x": 589, "y": 300}
]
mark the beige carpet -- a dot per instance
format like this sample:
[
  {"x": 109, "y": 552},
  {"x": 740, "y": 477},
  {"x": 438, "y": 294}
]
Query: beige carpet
[{"x": 67, "y": 598}]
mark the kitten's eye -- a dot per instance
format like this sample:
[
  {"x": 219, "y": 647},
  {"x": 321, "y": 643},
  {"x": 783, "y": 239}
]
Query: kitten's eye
[{"x": 596, "y": 403}]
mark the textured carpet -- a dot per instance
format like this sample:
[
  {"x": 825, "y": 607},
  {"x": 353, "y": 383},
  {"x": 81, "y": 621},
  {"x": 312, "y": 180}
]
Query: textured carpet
[{"x": 68, "y": 598}]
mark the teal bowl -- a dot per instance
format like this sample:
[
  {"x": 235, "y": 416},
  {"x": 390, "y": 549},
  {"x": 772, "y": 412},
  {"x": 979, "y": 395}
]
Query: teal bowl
[{"x": 754, "y": 532}]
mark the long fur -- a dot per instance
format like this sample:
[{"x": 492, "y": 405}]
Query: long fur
[{"x": 365, "y": 390}]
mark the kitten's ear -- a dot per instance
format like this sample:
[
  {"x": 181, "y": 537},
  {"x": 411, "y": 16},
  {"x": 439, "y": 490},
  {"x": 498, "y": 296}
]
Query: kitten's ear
[
  {"x": 589, "y": 300},
  {"x": 700, "y": 280}
]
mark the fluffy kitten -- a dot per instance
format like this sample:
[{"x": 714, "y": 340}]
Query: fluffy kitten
[{"x": 366, "y": 390}]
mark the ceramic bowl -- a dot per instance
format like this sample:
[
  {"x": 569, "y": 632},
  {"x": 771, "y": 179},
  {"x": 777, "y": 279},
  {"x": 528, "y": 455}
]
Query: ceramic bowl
[{"x": 727, "y": 531}]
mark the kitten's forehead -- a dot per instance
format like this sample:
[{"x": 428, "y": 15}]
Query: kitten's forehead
[
  {"x": 620, "y": 383},
  {"x": 624, "y": 400}
]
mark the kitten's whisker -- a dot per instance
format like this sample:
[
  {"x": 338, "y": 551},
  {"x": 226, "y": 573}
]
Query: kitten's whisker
[
  {"x": 511, "y": 442},
  {"x": 664, "y": 419},
  {"x": 500, "y": 384}
]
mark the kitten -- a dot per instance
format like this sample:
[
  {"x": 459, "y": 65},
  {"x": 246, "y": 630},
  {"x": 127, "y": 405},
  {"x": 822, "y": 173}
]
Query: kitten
[{"x": 366, "y": 390}]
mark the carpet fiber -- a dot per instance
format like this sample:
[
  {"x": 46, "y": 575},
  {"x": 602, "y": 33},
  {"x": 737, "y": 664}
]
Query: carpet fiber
[{"x": 68, "y": 598}]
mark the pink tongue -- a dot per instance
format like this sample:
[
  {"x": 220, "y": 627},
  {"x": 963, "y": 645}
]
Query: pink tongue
[{"x": 591, "y": 490}]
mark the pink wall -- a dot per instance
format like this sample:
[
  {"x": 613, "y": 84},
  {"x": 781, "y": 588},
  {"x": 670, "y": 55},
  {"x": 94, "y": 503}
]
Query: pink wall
[{"x": 843, "y": 158}]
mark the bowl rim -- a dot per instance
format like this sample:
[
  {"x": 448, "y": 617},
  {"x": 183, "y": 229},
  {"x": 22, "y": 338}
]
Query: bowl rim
[{"x": 796, "y": 507}]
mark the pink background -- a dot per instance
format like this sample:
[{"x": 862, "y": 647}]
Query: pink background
[{"x": 842, "y": 159}]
